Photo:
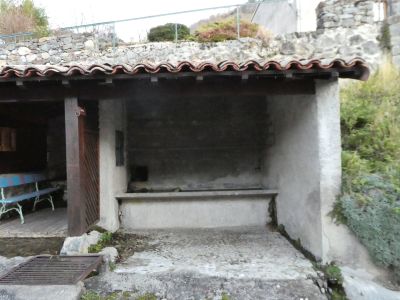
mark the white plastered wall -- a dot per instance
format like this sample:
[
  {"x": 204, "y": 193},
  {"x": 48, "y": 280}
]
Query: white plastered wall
[
  {"x": 113, "y": 179},
  {"x": 304, "y": 165}
]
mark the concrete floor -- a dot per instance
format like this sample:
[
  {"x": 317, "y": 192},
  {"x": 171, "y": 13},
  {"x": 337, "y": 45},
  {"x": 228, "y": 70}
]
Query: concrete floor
[
  {"x": 245, "y": 263},
  {"x": 42, "y": 223}
]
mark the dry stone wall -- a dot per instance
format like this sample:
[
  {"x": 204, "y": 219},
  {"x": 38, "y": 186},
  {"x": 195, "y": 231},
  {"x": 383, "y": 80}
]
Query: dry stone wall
[
  {"x": 344, "y": 13},
  {"x": 337, "y": 37},
  {"x": 394, "y": 29}
]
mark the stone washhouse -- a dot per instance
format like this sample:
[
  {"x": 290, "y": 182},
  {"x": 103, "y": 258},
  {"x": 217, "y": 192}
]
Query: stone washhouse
[
  {"x": 193, "y": 144},
  {"x": 190, "y": 135}
]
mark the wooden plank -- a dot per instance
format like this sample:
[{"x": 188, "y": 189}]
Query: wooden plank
[
  {"x": 218, "y": 86},
  {"x": 75, "y": 208}
]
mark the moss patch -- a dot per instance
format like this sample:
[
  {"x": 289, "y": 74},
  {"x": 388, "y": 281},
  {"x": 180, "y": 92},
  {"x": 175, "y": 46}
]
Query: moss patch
[{"x": 125, "y": 243}]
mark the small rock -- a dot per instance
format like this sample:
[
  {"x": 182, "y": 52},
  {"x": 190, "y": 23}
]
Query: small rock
[
  {"x": 31, "y": 57},
  {"x": 288, "y": 48},
  {"x": 110, "y": 254},
  {"x": 89, "y": 45},
  {"x": 24, "y": 51},
  {"x": 45, "y": 47},
  {"x": 45, "y": 39},
  {"x": 45, "y": 55},
  {"x": 79, "y": 244},
  {"x": 52, "y": 52}
]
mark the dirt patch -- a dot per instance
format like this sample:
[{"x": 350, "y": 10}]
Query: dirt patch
[
  {"x": 127, "y": 244},
  {"x": 11, "y": 247}
]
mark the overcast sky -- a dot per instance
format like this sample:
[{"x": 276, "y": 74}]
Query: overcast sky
[{"x": 77, "y": 12}]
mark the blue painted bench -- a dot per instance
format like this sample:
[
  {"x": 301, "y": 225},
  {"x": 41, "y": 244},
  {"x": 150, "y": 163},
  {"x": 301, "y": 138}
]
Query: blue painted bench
[{"x": 12, "y": 203}]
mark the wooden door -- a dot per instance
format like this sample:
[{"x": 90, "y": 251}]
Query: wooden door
[
  {"x": 89, "y": 143},
  {"x": 82, "y": 140}
]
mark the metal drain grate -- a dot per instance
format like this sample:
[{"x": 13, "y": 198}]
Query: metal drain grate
[{"x": 52, "y": 270}]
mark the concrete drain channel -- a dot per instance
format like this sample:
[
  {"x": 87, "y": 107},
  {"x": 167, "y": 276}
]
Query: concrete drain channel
[{"x": 52, "y": 270}]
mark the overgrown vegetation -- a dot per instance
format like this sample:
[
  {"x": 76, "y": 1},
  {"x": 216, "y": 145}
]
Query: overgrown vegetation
[
  {"x": 22, "y": 16},
  {"x": 333, "y": 274},
  {"x": 167, "y": 33},
  {"x": 225, "y": 29},
  {"x": 370, "y": 201},
  {"x": 333, "y": 277},
  {"x": 125, "y": 243},
  {"x": 91, "y": 295},
  {"x": 104, "y": 241},
  {"x": 217, "y": 30},
  {"x": 225, "y": 296}
]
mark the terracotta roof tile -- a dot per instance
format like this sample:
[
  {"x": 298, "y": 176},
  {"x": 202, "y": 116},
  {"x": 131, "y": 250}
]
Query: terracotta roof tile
[{"x": 24, "y": 71}]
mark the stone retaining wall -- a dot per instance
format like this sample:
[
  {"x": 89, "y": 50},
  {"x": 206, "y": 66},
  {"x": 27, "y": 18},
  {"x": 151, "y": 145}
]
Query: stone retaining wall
[
  {"x": 346, "y": 30},
  {"x": 344, "y": 13},
  {"x": 394, "y": 29},
  {"x": 86, "y": 49}
]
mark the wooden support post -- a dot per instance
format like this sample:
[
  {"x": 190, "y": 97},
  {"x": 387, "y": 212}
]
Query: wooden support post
[{"x": 76, "y": 207}]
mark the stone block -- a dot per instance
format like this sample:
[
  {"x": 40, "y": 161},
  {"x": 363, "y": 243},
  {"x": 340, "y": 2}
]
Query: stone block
[
  {"x": 89, "y": 45},
  {"x": 371, "y": 47},
  {"x": 395, "y": 29},
  {"x": 23, "y": 51},
  {"x": 288, "y": 48},
  {"x": 45, "y": 55},
  {"x": 31, "y": 57},
  {"x": 110, "y": 254},
  {"x": 348, "y": 22},
  {"x": 396, "y": 60},
  {"x": 79, "y": 244},
  {"x": 356, "y": 39}
]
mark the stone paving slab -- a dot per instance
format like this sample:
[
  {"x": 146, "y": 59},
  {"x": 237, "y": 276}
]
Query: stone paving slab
[
  {"x": 48, "y": 292},
  {"x": 245, "y": 263}
]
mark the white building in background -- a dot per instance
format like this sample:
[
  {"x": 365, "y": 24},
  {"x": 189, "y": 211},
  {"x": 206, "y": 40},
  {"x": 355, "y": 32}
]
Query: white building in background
[{"x": 285, "y": 16}]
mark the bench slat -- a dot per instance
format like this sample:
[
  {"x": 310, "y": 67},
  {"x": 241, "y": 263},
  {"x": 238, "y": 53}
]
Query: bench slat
[
  {"x": 20, "y": 179},
  {"x": 28, "y": 196},
  {"x": 18, "y": 198}
]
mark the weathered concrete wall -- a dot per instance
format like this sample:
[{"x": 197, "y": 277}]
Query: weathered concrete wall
[
  {"x": 304, "y": 165},
  {"x": 199, "y": 142},
  {"x": 113, "y": 179},
  {"x": 270, "y": 15},
  {"x": 206, "y": 212},
  {"x": 338, "y": 242},
  {"x": 292, "y": 167}
]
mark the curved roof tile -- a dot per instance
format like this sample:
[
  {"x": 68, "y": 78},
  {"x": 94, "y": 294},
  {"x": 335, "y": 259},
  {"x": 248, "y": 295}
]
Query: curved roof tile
[{"x": 23, "y": 71}]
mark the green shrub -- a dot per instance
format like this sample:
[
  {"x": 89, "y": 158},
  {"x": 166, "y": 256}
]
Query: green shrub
[
  {"x": 370, "y": 201},
  {"x": 372, "y": 212},
  {"x": 225, "y": 29},
  {"x": 22, "y": 16},
  {"x": 370, "y": 120},
  {"x": 167, "y": 33}
]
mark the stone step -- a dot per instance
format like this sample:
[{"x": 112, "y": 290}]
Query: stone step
[
  {"x": 205, "y": 209},
  {"x": 243, "y": 263},
  {"x": 184, "y": 286}
]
